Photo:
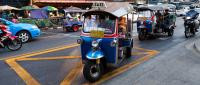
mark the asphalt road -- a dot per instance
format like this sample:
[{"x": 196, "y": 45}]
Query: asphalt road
[{"x": 176, "y": 64}]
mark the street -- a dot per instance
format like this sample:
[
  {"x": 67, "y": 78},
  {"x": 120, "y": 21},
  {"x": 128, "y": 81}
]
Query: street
[{"x": 55, "y": 60}]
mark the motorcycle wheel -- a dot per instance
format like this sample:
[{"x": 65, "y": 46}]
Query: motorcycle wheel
[
  {"x": 92, "y": 71},
  {"x": 193, "y": 32},
  {"x": 187, "y": 33},
  {"x": 141, "y": 36},
  {"x": 14, "y": 45}
]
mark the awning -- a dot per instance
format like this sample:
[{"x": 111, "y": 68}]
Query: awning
[{"x": 65, "y": 1}]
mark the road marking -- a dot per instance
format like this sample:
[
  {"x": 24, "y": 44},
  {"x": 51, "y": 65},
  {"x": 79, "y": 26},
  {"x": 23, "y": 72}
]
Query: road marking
[
  {"x": 26, "y": 77},
  {"x": 72, "y": 75},
  {"x": 48, "y": 58},
  {"x": 42, "y": 52},
  {"x": 124, "y": 68},
  {"x": 29, "y": 80},
  {"x": 22, "y": 73}
]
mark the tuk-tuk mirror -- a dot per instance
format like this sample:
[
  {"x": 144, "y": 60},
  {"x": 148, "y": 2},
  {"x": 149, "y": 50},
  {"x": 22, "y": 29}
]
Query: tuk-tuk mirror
[
  {"x": 128, "y": 34},
  {"x": 79, "y": 41}
]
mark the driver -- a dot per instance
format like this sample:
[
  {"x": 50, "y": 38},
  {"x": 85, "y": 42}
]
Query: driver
[
  {"x": 122, "y": 26},
  {"x": 166, "y": 17}
]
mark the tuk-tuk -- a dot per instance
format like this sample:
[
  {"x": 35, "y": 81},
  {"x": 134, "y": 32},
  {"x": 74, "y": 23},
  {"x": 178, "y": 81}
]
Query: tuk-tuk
[
  {"x": 106, "y": 39},
  {"x": 149, "y": 24},
  {"x": 72, "y": 19}
]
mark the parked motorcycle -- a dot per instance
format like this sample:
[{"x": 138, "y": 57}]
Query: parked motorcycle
[
  {"x": 13, "y": 43},
  {"x": 191, "y": 23}
]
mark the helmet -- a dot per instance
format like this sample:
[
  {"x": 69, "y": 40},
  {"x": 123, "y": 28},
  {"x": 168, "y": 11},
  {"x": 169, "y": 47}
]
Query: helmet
[
  {"x": 3, "y": 27},
  {"x": 166, "y": 9}
]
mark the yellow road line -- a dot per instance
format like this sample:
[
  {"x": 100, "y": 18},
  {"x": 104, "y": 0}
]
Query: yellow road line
[
  {"x": 137, "y": 53},
  {"x": 72, "y": 75},
  {"x": 143, "y": 49},
  {"x": 48, "y": 58},
  {"x": 22, "y": 73},
  {"x": 124, "y": 68},
  {"x": 42, "y": 52}
]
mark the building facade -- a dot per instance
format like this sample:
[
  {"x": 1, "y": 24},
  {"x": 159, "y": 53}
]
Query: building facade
[
  {"x": 15, "y": 3},
  {"x": 77, "y": 3},
  {"x": 56, "y": 3}
]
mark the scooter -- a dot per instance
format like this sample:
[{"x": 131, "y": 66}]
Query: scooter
[
  {"x": 13, "y": 43},
  {"x": 191, "y": 24}
]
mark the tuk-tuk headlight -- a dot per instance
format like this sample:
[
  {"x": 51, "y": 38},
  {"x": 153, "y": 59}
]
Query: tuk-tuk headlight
[
  {"x": 95, "y": 44},
  {"x": 114, "y": 43},
  {"x": 141, "y": 22}
]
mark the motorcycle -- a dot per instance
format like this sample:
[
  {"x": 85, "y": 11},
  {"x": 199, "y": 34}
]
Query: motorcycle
[
  {"x": 8, "y": 41},
  {"x": 191, "y": 24}
]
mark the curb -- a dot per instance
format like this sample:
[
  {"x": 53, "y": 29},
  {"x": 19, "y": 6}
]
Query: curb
[{"x": 196, "y": 47}]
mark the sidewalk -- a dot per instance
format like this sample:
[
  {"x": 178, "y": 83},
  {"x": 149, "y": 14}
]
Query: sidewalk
[{"x": 197, "y": 45}]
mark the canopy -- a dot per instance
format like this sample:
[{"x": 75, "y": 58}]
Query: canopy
[
  {"x": 116, "y": 9},
  {"x": 6, "y": 7},
  {"x": 50, "y": 8},
  {"x": 39, "y": 14},
  {"x": 32, "y": 7},
  {"x": 74, "y": 9}
]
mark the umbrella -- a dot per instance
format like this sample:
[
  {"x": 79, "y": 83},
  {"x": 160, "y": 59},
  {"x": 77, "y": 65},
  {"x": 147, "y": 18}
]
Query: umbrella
[
  {"x": 29, "y": 7},
  {"x": 50, "y": 8},
  {"x": 6, "y": 7}
]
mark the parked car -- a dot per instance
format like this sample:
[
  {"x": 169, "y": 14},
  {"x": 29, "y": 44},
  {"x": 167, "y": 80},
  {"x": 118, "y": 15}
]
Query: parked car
[
  {"x": 182, "y": 12},
  {"x": 198, "y": 10},
  {"x": 24, "y": 31}
]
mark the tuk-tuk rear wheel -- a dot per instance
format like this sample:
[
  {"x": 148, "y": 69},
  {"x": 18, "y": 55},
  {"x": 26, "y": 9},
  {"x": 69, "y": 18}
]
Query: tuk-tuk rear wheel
[
  {"x": 75, "y": 28},
  {"x": 141, "y": 36},
  {"x": 171, "y": 32},
  {"x": 92, "y": 71},
  {"x": 128, "y": 52}
]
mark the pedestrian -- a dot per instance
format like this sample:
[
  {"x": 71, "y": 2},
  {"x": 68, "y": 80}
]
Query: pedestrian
[
  {"x": 4, "y": 15},
  {"x": 15, "y": 19}
]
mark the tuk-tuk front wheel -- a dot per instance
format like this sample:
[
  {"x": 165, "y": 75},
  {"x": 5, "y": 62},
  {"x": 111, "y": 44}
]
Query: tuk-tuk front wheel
[
  {"x": 128, "y": 52},
  {"x": 92, "y": 71}
]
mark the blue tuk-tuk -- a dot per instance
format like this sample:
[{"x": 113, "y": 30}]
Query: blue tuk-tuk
[
  {"x": 149, "y": 24},
  {"x": 72, "y": 19},
  {"x": 106, "y": 39}
]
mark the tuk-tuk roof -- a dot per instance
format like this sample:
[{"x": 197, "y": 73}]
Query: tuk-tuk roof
[{"x": 117, "y": 9}]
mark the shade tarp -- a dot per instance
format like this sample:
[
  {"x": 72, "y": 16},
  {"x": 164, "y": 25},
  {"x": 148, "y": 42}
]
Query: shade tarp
[
  {"x": 39, "y": 14},
  {"x": 6, "y": 7},
  {"x": 74, "y": 9},
  {"x": 50, "y": 8},
  {"x": 32, "y": 7}
]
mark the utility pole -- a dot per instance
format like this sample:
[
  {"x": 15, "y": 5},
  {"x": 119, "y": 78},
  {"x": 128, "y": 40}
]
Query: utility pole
[{"x": 31, "y": 2}]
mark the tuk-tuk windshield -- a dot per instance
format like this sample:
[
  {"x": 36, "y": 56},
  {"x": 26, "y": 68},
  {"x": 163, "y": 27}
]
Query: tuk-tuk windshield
[{"x": 95, "y": 22}]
